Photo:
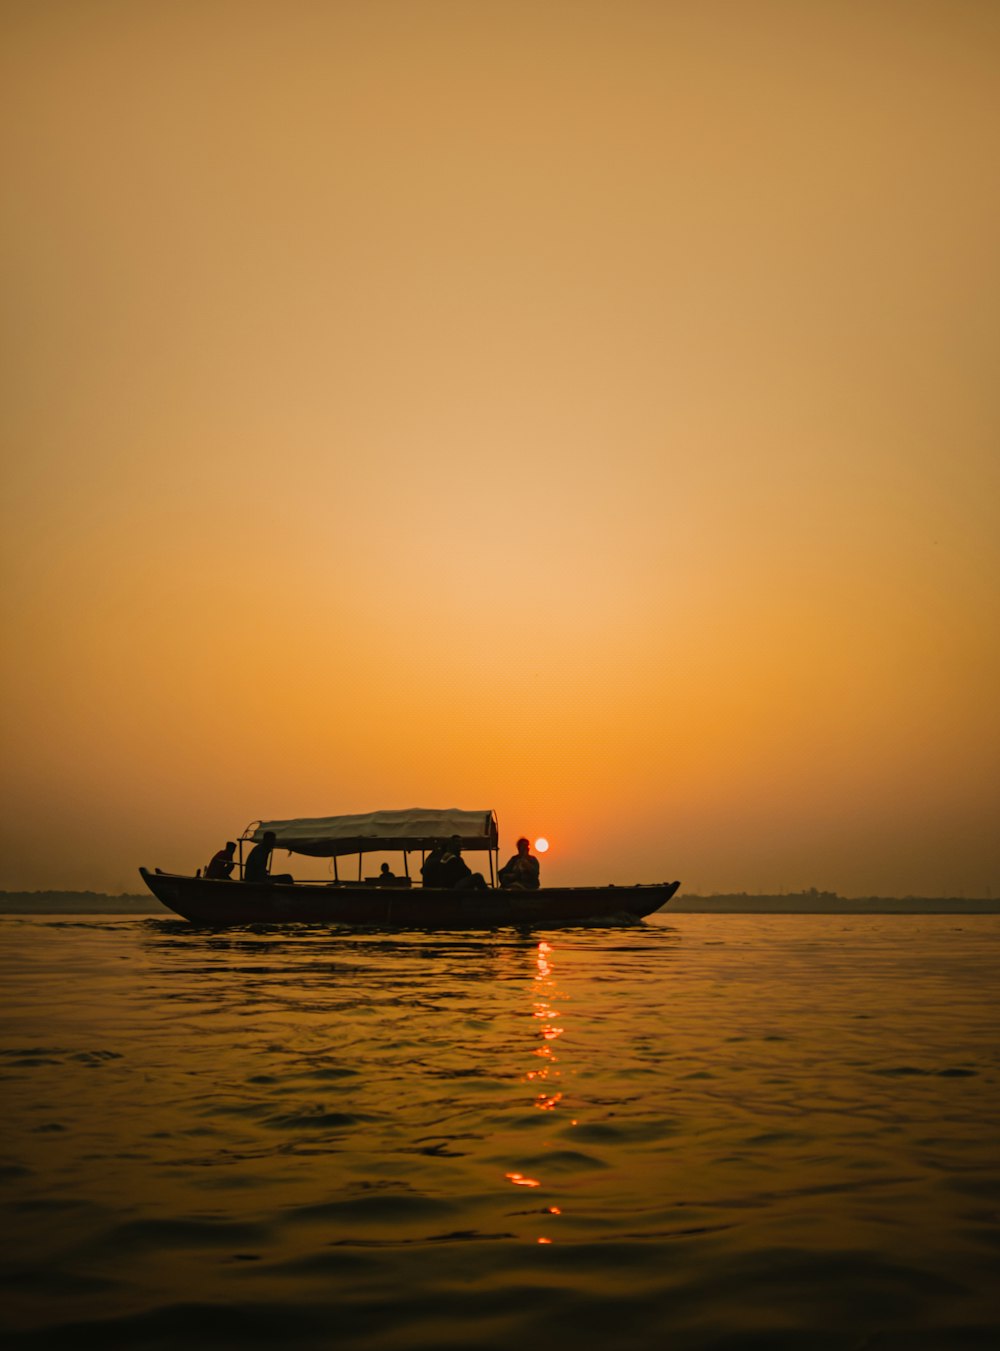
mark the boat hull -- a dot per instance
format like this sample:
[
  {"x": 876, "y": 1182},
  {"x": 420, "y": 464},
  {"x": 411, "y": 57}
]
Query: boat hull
[{"x": 222, "y": 904}]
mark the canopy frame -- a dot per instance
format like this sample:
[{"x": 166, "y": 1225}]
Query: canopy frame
[{"x": 404, "y": 831}]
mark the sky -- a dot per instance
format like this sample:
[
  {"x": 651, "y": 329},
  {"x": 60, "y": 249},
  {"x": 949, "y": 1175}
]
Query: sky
[{"x": 586, "y": 409}]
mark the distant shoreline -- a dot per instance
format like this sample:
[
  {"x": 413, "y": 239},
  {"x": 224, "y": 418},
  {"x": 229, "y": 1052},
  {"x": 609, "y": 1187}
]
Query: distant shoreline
[
  {"x": 799, "y": 903},
  {"x": 76, "y": 903},
  {"x": 804, "y": 904}
]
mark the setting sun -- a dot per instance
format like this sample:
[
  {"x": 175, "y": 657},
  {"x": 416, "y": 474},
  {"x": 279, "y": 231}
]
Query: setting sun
[{"x": 542, "y": 845}]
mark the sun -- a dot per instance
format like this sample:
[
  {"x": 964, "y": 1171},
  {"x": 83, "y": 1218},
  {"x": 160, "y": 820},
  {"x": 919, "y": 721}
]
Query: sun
[{"x": 541, "y": 845}]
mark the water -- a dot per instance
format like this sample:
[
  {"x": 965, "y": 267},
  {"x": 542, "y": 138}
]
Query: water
[{"x": 707, "y": 1131}]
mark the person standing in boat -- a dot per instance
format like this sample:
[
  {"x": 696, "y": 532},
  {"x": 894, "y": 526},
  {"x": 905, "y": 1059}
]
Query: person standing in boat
[
  {"x": 222, "y": 863},
  {"x": 521, "y": 871}
]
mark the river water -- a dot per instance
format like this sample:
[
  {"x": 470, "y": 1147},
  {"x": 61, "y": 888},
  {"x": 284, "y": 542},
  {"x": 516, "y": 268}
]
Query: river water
[{"x": 704, "y": 1131}]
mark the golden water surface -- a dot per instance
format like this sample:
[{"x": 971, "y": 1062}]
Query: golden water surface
[{"x": 705, "y": 1131}]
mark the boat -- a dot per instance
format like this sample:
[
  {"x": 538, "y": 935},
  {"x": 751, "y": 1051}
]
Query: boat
[{"x": 387, "y": 900}]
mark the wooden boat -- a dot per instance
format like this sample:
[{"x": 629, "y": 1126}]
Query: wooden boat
[{"x": 396, "y": 902}]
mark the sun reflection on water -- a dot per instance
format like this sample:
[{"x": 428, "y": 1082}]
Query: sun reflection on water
[
  {"x": 544, "y": 993},
  {"x": 544, "y": 1077},
  {"x": 519, "y": 1180}
]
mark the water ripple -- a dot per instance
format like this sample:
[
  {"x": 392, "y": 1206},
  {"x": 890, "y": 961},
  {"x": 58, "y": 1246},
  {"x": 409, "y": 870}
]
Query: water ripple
[{"x": 718, "y": 1132}]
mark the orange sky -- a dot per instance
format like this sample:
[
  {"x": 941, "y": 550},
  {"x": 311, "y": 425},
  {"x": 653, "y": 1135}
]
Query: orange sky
[{"x": 587, "y": 410}]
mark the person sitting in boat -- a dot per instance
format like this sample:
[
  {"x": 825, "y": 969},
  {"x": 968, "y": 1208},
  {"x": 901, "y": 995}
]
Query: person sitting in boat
[
  {"x": 454, "y": 872},
  {"x": 430, "y": 869},
  {"x": 258, "y": 865},
  {"x": 444, "y": 866},
  {"x": 521, "y": 872},
  {"x": 386, "y": 875},
  {"x": 222, "y": 863}
]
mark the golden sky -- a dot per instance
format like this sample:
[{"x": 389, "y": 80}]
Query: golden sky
[{"x": 582, "y": 408}]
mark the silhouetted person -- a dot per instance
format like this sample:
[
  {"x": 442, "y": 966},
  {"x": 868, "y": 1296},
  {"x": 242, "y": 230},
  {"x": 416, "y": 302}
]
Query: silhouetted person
[
  {"x": 385, "y": 874},
  {"x": 430, "y": 869},
  {"x": 454, "y": 872},
  {"x": 521, "y": 871},
  {"x": 258, "y": 865},
  {"x": 222, "y": 863}
]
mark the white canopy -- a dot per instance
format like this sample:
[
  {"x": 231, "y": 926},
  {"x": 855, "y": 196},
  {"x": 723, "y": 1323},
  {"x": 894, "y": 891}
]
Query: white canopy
[{"x": 414, "y": 828}]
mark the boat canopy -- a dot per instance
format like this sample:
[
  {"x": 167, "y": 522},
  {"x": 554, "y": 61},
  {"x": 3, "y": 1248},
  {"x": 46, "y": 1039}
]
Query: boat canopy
[{"x": 414, "y": 828}]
